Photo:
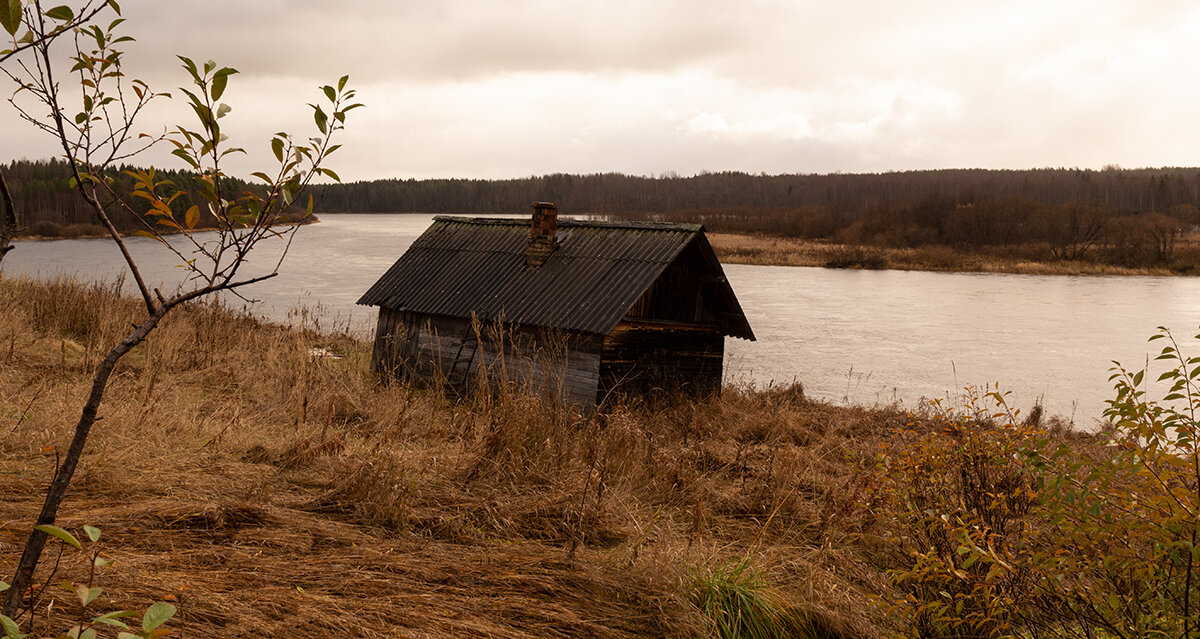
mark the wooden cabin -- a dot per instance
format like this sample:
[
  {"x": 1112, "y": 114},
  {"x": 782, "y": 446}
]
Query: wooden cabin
[{"x": 591, "y": 308}]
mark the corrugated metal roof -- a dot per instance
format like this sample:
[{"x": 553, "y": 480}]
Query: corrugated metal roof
[{"x": 462, "y": 265}]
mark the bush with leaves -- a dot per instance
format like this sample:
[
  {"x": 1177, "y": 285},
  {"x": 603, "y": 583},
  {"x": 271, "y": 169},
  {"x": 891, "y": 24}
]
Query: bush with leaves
[
  {"x": 1012, "y": 532},
  {"x": 1121, "y": 552},
  {"x": 961, "y": 495}
]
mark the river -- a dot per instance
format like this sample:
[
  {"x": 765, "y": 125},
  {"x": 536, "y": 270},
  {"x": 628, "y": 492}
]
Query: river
[{"x": 860, "y": 337}]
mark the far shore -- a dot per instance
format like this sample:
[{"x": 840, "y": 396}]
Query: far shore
[
  {"x": 769, "y": 250},
  {"x": 91, "y": 235},
  {"x": 765, "y": 250}
]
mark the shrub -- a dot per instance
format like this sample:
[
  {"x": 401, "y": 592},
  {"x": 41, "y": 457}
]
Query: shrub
[
  {"x": 1122, "y": 551},
  {"x": 856, "y": 256},
  {"x": 45, "y": 228},
  {"x": 961, "y": 495},
  {"x": 1011, "y": 533}
]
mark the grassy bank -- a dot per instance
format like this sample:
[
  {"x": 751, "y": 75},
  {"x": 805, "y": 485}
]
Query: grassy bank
[
  {"x": 278, "y": 493},
  {"x": 780, "y": 251},
  {"x": 269, "y": 491}
]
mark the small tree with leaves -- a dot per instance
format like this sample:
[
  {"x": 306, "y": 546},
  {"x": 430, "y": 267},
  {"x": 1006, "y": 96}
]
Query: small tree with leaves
[{"x": 100, "y": 131}]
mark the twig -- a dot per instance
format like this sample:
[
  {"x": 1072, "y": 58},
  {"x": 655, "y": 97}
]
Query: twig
[{"x": 25, "y": 412}]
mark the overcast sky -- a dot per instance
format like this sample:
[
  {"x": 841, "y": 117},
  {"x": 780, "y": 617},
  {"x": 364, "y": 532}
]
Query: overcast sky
[{"x": 496, "y": 88}]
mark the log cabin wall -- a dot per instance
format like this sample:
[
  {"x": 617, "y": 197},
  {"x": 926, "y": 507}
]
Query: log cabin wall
[
  {"x": 393, "y": 352},
  {"x": 681, "y": 294},
  {"x": 556, "y": 364},
  {"x": 646, "y": 359},
  {"x": 669, "y": 341}
]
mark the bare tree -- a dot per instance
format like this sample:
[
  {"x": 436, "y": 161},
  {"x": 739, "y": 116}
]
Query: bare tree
[
  {"x": 1163, "y": 231},
  {"x": 100, "y": 134},
  {"x": 1073, "y": 229}
]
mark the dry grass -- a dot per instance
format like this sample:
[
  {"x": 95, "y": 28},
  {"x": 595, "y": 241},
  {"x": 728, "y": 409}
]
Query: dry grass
[
  {"x": 776, "y": 251},
  {"x": 273, "y": 493}
]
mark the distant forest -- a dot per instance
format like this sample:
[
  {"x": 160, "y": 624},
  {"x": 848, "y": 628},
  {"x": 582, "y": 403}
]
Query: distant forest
[
  {"x": 1125, "y": 217},
  {"x": 43, "y": 196},
  {"x": 1135, "y": 214}
]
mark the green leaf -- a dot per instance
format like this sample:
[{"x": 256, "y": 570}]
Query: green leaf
[
  {"x": 114, "y": 618},
  {"x": 331, "y": 174},
  {"x": 219, "y": 81},
  {"x": 191, "y": 69},
  {"x": 180, "y": 153},
  {"x": 320, "y": 118},
  {"x": 10, "y": 628},
  {"x": 86, "y": 595},
  {"x": 62, "y": 13},
  {"x": 223, "y": 110},
  {"x": 330, "y": 93},
  {"x": 10, "y": 16},
  {"x": 90, "y": 633},
  {"x": 342, "y": 82},
  {"x": 115, "y": 7},
  {"x": 277, "y": 147},
  {"x": 60, "y": 533},
  {"x": 156, "y": 615},
  {"x": 93, "y": 533}
]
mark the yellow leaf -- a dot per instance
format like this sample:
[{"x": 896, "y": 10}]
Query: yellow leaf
[{"x": 192, "y": 217}]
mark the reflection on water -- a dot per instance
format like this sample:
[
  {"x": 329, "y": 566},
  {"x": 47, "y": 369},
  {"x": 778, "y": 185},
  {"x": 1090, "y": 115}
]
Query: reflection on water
[{"x": 865, "y": 337}]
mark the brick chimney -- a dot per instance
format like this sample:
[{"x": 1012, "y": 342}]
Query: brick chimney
[{"x": 541, "y": 234}]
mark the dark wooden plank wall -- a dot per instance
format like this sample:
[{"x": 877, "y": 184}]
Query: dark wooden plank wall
[
  {"x": 681, "y": 294},
  {"x": 564, "y": 365},
  {"x": 393, "y": 352},
  {"x": 648, "y": 358}
]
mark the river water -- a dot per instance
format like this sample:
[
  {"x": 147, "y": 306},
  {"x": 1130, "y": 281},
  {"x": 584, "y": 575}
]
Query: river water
[{"x": 860, "y": 337}]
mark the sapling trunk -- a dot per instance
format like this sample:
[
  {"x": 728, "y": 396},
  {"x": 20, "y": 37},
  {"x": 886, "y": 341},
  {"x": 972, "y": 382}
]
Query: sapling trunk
[{"x": 62, "y": 478}]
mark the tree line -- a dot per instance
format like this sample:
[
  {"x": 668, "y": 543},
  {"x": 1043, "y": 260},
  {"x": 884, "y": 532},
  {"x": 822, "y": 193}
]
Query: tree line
[
  {"x": 51, "y": 207},
  {"x": 1127, "y": 216},
  {"x": 1130, "y": 217},
  {"x": 615, "y": 193}
]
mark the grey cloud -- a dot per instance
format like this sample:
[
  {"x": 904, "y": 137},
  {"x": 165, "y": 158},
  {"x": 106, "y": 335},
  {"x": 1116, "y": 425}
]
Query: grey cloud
[{"x": 509, "y": 88}]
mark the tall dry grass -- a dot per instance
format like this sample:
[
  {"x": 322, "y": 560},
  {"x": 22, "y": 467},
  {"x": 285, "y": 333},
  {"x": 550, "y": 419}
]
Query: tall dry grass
[{"x": 272, "y": 489}]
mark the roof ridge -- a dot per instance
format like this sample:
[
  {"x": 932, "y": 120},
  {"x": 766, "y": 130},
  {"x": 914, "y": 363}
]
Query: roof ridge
[{"x": 574, "y": 222}]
